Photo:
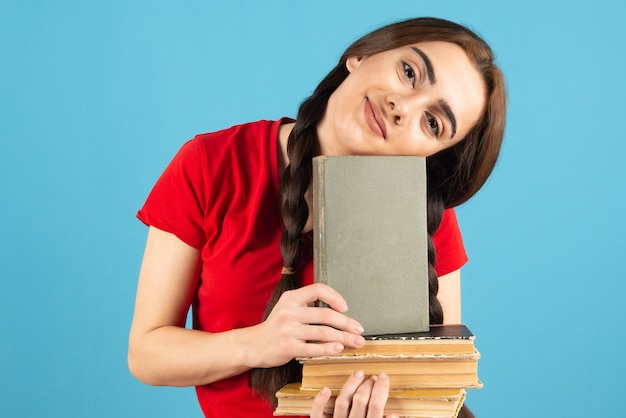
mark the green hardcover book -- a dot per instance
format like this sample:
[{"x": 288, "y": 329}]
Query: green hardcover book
[{"x": 370, "y": 238}]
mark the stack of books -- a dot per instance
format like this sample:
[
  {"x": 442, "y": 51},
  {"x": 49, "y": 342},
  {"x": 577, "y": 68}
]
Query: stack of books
[
  {"x": 370, "y": 243},
  {"x": 428, "y": 372}
]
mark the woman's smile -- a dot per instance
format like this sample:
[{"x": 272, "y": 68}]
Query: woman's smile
[{"x": 374, "y": 119}]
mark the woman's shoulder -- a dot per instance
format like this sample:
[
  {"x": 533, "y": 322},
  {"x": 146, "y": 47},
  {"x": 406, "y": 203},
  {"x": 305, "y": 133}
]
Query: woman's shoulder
[
  {"x": 448, "y": 227},
  {"x": 256, "y": 132},
  {"x": 448, "y": 242},
  {"x": 243, "y": 150}
]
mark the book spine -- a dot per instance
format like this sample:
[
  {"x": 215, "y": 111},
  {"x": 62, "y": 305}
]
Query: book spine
[{"x": 319, "y": 179}]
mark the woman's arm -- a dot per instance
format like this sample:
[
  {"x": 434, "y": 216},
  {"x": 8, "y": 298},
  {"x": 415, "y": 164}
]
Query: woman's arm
[
  {"x": 162, "y": 352},
  {"x": 449, "y": 296}
]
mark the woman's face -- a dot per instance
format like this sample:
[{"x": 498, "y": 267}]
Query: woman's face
[{"x": 414, "y": 100}]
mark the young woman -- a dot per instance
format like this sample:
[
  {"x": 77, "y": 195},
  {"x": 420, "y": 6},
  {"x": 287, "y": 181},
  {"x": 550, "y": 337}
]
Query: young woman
[{"x": 230, "y": 222}]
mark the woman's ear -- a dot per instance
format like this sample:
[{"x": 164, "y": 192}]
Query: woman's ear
[{"x": 352, "y": 63}]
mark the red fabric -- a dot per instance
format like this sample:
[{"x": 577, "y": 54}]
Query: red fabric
[
  {"x": 448, "y": 243},
  {"x": 220, "y": 195}
]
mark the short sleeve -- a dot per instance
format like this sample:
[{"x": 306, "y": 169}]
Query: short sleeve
[
  {"x": 175, "y": 203},
  {"x": 448, "y": 244}
]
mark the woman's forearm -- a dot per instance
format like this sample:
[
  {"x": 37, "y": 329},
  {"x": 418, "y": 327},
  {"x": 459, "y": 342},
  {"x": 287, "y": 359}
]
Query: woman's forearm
[{"x": 176, "y": 356}]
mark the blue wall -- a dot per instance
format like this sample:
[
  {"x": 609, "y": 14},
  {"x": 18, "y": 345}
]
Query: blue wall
[{"x": 95, "y": 98}]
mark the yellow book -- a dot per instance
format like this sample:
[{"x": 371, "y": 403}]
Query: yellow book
[
  {"x": 443, "y": 357},
  {"x": 416, "y": 403},
  {"x": 405, "y": 372}
]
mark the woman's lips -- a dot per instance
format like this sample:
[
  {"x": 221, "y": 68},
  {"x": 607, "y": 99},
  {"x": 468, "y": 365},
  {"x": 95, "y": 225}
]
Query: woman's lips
[{"x": 374, "y": 119}]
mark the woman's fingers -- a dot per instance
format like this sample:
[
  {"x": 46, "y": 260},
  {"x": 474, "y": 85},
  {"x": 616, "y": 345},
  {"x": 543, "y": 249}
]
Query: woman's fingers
[
  {"x": 326, "y": 325},
  {"x": 317, "y": 411},
  {"x": 378, "y": 397},
  {"x": 296, "y": 329},
  {"x": 318, "y": 291},
  {"x": 327, "y": 316},
  {"x": 318, "y": 340},
  {"x": 317, "y": 324},
  {"x": 344, "y": 399},
  {"x": 359, "y": 398},
  {"x": 332, "y": 316}
]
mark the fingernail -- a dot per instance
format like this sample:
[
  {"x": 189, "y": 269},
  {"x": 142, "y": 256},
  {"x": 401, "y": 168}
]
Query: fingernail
[
  {"x": 383, "y": 376},
  {"x": 360, "y": 341},
  {"x": 338, "y": 347},
  {"x": 359, "y": 328},
  {"x": 358, "y": 373}
]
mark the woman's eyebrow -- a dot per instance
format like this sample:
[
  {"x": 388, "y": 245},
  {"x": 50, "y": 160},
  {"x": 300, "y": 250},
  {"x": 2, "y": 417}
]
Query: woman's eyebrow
[
  {"x": 429, "y": 66},
  {"x": 446, "y": 109},
  {"x": 430, "y": 73}
]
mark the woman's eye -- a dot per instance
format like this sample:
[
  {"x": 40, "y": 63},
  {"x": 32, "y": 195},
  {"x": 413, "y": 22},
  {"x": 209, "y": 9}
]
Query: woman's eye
[
  {"x": 433, "y": 124},
  {"x": 408, "y": 71}
]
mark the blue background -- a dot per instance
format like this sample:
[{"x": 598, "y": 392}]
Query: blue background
[{"x": 96, "y": 97}]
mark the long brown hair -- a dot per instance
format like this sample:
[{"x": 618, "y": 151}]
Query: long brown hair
[{"x": 453, "y": 175}]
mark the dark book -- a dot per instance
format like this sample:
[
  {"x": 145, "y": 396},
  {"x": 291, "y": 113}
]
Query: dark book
[
  {"x": 435, "y": 332},
  {"x": 439, "y": 339},
  {"x": 370, "y": 238}
]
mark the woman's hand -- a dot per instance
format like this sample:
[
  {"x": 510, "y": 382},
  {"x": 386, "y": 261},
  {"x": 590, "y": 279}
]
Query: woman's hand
[
  {"x": 296, "y": 328},
  {"x": 359, "y": 397},
  {"x": 162, "y": 352}
]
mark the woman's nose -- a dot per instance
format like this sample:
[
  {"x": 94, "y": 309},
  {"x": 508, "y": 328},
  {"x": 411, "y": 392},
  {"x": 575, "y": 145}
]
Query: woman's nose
[{"x": 401, "y": 107}]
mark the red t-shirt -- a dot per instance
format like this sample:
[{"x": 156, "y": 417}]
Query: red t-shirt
[{"x": 220, "y": 195}]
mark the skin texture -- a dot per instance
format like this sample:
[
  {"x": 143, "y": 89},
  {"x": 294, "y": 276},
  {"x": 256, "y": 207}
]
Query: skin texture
[
  {"x": 409, "y": 118},
  {"x": 386, "y": 106}
]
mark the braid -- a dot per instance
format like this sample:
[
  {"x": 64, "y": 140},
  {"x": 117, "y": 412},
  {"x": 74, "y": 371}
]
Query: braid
[
  {"x": 436, "y": 173},
  {"x": 434, "y": 215},
  {"x": 436, "y": 203},
  {"x": 302, "y": 146}
]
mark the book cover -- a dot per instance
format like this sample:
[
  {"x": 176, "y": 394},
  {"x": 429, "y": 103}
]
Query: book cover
[
  {"x": 435, "y": 332},
  {"x": 440, "y": 339},
  {"x": 370, "y": 238}
]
